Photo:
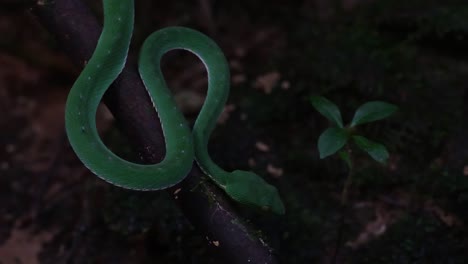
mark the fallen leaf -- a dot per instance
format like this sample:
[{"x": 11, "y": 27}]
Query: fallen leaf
[
  {"x": 262, "y": 146},
  {"x": 274, "y": 171},
  {"x": 23, "y": 246},
  {"x": 267, "y": 82}
]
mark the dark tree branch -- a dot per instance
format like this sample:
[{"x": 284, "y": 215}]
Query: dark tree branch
[{"x": 77, "y": 30}]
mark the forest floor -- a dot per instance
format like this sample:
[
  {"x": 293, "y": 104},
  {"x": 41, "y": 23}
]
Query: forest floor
[{"x": 411, "y": 210}]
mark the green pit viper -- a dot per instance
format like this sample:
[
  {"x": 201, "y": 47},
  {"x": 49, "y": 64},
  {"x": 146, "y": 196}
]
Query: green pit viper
[{"x": 182, "y": 146}]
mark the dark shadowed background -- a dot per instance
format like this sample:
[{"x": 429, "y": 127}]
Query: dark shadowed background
[{"x": 412, "y": 210}]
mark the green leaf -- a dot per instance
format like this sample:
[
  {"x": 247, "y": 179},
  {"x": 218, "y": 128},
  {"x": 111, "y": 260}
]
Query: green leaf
[
  {"x": 331, "y": 140},
  {"x": 328, "y": 109},
  {"x": 377, "y": 151},
  {"x": 372, "y": 111}
]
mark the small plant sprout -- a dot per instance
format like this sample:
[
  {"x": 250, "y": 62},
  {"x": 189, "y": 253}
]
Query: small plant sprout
[{"x": 334, "y": 138}]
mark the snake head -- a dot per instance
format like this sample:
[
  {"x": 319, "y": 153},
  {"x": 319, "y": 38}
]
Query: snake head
[{"x": 248, "y": 188}]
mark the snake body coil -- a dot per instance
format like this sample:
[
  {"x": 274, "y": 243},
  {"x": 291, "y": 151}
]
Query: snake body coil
[{"x": 182, "y": 146}]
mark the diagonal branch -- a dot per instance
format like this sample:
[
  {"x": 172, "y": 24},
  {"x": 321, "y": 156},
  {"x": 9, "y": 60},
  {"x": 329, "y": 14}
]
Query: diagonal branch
[{"x": 77, "y": 30}]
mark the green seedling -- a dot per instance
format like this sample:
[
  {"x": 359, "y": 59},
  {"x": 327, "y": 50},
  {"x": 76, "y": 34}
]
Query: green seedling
[{"x": 336, "y": 138}]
